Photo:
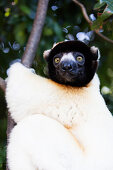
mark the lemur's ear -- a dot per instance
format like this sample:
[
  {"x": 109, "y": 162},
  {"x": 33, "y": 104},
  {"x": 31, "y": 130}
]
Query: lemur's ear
[
  {"x": 96, "y": 51},
  {"x": 54, "y": 44},
  {"x": 47, "y": 52}
]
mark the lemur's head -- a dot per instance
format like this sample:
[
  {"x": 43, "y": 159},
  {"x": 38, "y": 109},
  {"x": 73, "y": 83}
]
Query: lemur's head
[{"x": 72, "y": 63}]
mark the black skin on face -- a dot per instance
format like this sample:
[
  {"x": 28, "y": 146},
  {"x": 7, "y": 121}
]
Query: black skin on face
[{"x": 74, "y": 74}]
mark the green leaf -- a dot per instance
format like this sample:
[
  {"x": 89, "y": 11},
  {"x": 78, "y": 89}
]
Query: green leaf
[
  {"x": 25, "y": 9},
  {"x": 109, "y": 5},
  {"x": 48, "y": 31},
  {"x": 55, "y": 27},
  {"x": 2, "y": 155},
  {"x": 99, "y": 22},
  {"x": 100, "y": 5},
  {"x": 16, "y": 1},
  {"x": 19, "y": 32}
]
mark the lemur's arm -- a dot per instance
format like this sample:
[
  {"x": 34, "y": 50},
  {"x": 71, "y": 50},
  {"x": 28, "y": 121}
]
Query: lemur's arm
[{"x": 19, "y": 90}]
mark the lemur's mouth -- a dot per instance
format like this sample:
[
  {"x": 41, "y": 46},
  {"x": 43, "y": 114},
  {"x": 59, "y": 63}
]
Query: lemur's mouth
[{"x": 67, "y": 76}]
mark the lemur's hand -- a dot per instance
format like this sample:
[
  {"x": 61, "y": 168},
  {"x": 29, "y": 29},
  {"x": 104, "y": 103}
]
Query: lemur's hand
[{"x": 18, "y": 61}]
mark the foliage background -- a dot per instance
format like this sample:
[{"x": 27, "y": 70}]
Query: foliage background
[{"x": 64, "y": 19}]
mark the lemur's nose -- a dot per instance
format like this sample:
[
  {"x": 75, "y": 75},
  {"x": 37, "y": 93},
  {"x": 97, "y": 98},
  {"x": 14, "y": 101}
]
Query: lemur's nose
[{"x": 67, "y": 65}]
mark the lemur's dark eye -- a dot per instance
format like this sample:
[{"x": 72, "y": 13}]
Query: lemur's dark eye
[
  {"x": 79, "y": 58},
  {"x": 57, "y": 60}
]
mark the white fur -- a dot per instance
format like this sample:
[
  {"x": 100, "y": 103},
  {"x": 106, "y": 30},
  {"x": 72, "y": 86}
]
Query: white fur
[
  {"x": 94, "y": 50},
  {"x": 67, "y": 56},
  {"x": 58, "y": 127}
]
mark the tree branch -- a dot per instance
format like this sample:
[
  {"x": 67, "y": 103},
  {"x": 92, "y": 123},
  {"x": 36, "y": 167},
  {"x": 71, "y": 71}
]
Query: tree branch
[
  {"x": 2, "y": 84},
  {"x": 83, "y": 9},
  {"x": 35, "y": 35}
]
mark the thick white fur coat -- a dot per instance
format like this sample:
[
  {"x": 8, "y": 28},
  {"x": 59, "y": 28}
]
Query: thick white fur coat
[{"x": 58, "y": 127}]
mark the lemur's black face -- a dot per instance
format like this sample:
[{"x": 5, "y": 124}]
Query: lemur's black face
[
  {"x": 69, "y": 67},
  {"x": 72, "y": 63}
]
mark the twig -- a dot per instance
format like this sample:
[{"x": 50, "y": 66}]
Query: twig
[
  {"x": 104, "y": 37},
  {"x": 35, "y": 35},
  {"x": 2, "y": 84},
  {"x": 83, "y": 9}
]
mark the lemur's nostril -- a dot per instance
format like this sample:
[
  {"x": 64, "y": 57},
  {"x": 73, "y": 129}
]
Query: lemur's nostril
[{"x": 66, "y": 66}]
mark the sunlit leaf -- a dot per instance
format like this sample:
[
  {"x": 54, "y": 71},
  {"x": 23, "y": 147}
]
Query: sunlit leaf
[
  {"x": 48, "y": 31},
  {"x": 7, "y": 12},
  {"x": 99, "y": 5},
  {"x": 20, "y": 33},
  {"x": 99, "y": 22},
  {"x": 16, "y": 1},
  {"x": 109, "y": 5}
]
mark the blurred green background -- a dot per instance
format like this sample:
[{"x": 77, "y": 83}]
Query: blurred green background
[{"x": 64, "y": 21}]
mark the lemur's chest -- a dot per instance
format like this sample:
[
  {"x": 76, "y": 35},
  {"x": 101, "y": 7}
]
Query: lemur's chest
[
  {"x": 68, "y": 105},
  {"x": 84, "y": 114}
]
